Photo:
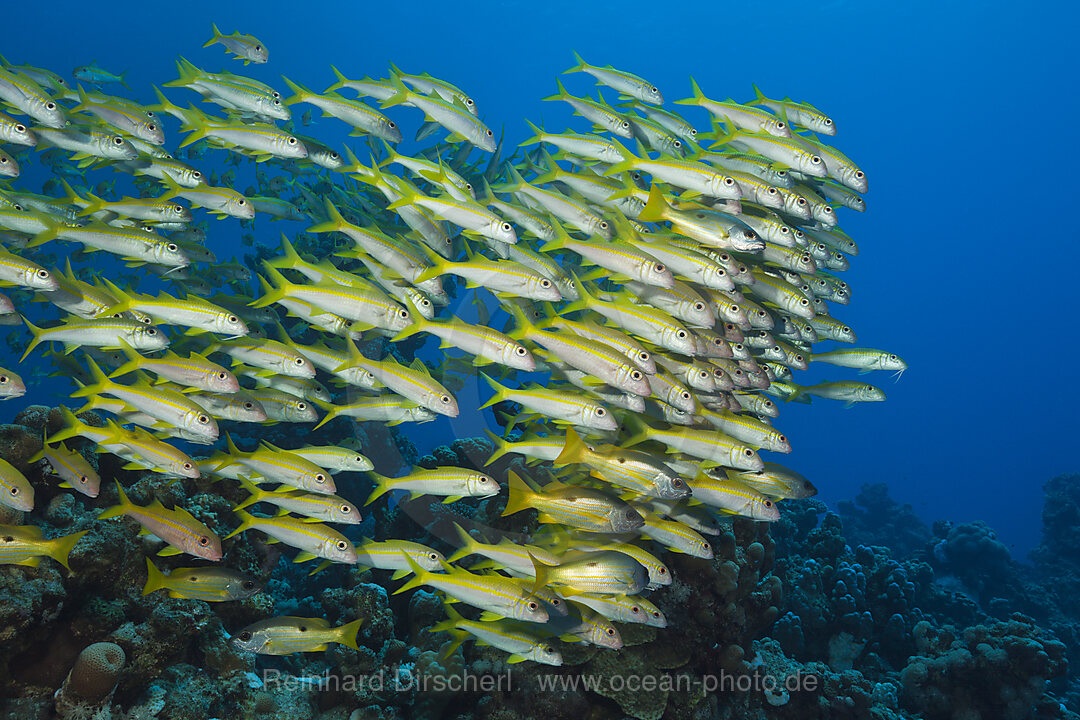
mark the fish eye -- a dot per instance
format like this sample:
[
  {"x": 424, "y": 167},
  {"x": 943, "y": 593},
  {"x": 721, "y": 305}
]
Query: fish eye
[
  {"x": 684, "y": 395},
  {"x": 83, "y": 479},
  {"x": 676, "y": 144},
  {"x": 345, "y": 509},
  {"x": 729, "y": 181},
  {"x": 291, "y": 141},
  {"x": 636, "y": 375},
  {"x": 533, "y": 605},
  {"x": 241, "y": 202},
  {"x": 151, "y": 331},
  {"x": 545, "y": 283},
  {"x": 118, "y": 140},
  {"x": 203, "y": 419},
  {"x": 610, "y": 631},
  {"x": 828, "y": 121},
  {"x": 445, "y": 399},
  {"x": 815, "y": 160},
  {"x": 187, "y": 466},
  {"x": 519, "y": 350},
  {"x": 892, "y": 357},
  {"x": 277, "y": 102},
  {"x": 3, "y": 378},
  {"x": 603, "y": 225},
  {"x": 804, "y": 301},
  {"x": 248, "y": 585},
  {"x": 244, "y": 636},
  {"x": 14, "y": 491},
  {"x": 767, "y": 503},
  {"x": 43, "y": 273},
  {"x": 196, "y": 174},
  {"x": 171, "y": 247},
  {"x": 151, "y": 127},
  {"x": 635, "y": 609},
  {"x": 625, "y": 124},
  {"x": 748, "y": 452},
  {"x": 334, "y": 156},
  {"x": 489, "y": 133},
  {"x": 659, "y": 268},
  {"x": 299, "y": 361},
  {"x": 681, "y": 334},
  {"x": 3, "y": 160},
  {"x": 391, "y": 124},
  {"x": 506, "y": 227},
  {"x": 203, "y": 541},
  {"x": 433, "y": 556},
  {"x": 50, "y": 106},
  {"x": 301, "y": 406},
  {"x": 600, "y": 412},
  {"x": 20, "y": 128}
]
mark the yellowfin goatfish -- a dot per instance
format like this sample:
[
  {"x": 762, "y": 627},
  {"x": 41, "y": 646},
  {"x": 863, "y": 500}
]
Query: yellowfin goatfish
[
  {"x": 845, "y": 390},
  {"x": 632, "y": 470},
  {"x": 448, "y": 482},
  {"x": 392, "y": 554},
  {"x": 15, "y": 490},
  {"x": 317, "y": 507},
  {"x": 164, "y": 404},
  {"x": 71, "y": 467},
  {"x": 311, "y": 539},
  {"x": 288, "y": 635},
  {"x": 514, "y": 639},
  {"x": 605, "y": 572},
  {"x": 626, "y": 83},
  {"x": 208, "y": 584},
  {"x": 245, "y": 47},
  {"x": 559, "y": 406},
  {"x": 177, "y": 527},
  {"x": 11, "y": 385},
  {"x": 278, "y": 465},
  {"x": 579, "y": 507},
  {"x": 497, "y": 596}
]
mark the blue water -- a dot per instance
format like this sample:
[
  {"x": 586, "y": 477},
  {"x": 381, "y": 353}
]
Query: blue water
[{"x": 960, "y": 115}]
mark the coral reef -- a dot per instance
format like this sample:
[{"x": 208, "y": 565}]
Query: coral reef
[{"x": 799, "y": 619}]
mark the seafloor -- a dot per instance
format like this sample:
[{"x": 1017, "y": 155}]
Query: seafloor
[{"x": 867, "y": 612}]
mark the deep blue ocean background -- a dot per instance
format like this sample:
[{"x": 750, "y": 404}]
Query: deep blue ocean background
[{"x": 961, "y": 114}]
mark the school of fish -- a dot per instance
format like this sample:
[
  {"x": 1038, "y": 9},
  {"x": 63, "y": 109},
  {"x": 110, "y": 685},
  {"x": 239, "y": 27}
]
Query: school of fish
[{"x": 662, "y": 280}]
